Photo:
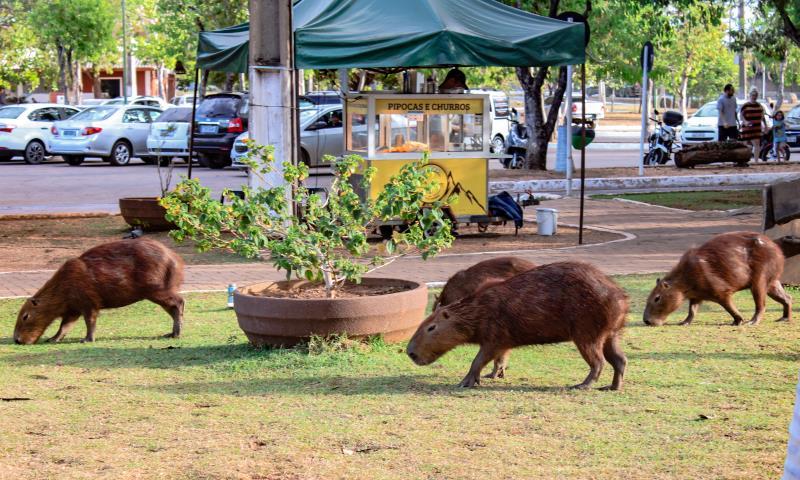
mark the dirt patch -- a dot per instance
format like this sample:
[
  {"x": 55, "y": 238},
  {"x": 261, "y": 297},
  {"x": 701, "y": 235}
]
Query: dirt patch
[
  {"x": 308, "y": 291},
  {"x": 44, "y": 244},
  {"x": 659, "y": 171}
]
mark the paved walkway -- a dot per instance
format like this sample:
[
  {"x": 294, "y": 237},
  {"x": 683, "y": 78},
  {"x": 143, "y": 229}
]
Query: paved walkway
[{"x": 655, "y": 237}]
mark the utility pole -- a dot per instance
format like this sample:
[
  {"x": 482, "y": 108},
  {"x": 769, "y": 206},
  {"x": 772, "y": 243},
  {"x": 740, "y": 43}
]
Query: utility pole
[
  {"x": 272, "y": 89},
  {"x": 742, "y": 66},
  {"x": 124, "y": 57}
]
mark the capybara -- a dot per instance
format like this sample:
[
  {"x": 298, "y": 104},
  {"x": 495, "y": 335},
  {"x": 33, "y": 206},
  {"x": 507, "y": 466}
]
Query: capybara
[
  {"x": 722, "y": 266},
  {"x": 466, "y": 282},
  {"x": 111, "y": 275},
  {"x": 548, "y": 304}
]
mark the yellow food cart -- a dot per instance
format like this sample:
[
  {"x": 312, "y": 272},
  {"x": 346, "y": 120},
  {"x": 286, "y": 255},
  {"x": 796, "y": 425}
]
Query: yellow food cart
[{"x": 454, "y": 128}]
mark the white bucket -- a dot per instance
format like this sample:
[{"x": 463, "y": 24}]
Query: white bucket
[{"x": 547, "y": 220}]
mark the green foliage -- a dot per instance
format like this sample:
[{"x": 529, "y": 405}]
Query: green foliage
[
  {"x": 326, "y": 240},
  {"x": 83, "y": 26}
]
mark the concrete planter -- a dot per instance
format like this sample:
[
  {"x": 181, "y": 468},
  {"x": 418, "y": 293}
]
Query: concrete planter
[
  {"x": 144, "y": 212},
  {"x": 288, "y": 321}
]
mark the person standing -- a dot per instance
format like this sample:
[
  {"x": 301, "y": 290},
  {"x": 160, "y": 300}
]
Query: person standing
[
  {"x": 778, "y": 136},
  {"x": 2, "y": 95},
  {"x": 726, "y": 122},
  {"x": 753, "y": 123}
]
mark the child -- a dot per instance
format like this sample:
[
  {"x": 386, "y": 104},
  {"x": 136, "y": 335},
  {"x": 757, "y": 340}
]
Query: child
[{"x": 778, "y": 135}]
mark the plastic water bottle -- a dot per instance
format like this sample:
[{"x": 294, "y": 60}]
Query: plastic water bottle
[{"x": 231, "y": 289}]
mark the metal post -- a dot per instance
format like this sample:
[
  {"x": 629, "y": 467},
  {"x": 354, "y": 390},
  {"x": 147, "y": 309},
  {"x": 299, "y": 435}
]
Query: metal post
[
  {"x": 191, "y": 124},
  {"x": 568, "y": 130},
  {"x": 645, "y": 85},
  {"x": 124, "y": 57},
  {"x": 583, "y": 151}
]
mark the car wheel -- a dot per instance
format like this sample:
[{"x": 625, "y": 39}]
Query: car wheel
[
  {"x": 202, "y": 160},
  {"x": 34, "y": 152},
  {"x": 305, "y": 158},
  {"x": 149, "y": 160},
  {"x": 120, "y": 154},
  {"x": 218, "y": 162},
  {"x": 73, "y": 160},
  {"x": 163, "y": 161},
  {"x": 498, "y": 144}
]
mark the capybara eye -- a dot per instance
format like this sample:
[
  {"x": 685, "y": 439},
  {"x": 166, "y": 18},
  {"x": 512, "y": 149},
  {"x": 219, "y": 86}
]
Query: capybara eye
[
  {"x": 432, "y": 328},
  {"x": 657, "y": 299},
  {"x": 445, "y": 315}
]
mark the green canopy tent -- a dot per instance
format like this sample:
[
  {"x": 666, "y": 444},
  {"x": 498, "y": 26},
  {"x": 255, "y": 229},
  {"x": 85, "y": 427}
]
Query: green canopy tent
[
  {"x": 332, "y": 34},
  {"x": 340, "y": 34}
]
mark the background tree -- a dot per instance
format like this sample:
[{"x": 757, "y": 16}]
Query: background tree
[
  {"x": 23, "y": 61},
  {"x": 79, "y": 30}
]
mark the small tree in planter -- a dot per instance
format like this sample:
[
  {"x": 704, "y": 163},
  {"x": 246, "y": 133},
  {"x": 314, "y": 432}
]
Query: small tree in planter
[{"x": 321, "y": 240}]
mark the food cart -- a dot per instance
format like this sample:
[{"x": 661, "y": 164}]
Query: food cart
[{"x": 454, "y": 128}]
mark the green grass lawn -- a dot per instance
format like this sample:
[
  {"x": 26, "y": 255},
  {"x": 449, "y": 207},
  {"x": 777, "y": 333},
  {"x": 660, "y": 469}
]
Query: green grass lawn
[
  {"x": 707, "y": 401},
  {"x": 703, "y": 200}
]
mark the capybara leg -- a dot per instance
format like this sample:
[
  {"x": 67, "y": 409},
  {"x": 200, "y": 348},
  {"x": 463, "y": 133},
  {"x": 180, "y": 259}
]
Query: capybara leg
[
  {"x": 593, "y": 354},
  {"x": 777, "y": 293},
  {"x": 727, "y": 304},
  {"x": 694, "y": 305},
  {"x": 91, "y": 323},
  {"x": 473, "y": 377},
  {"x": 614, "y": 355},
  {"x": 500, "y": 364},
  {"x": 759, "y": 291},
  {"x": 173, "y": 304},
  {"x": 67, "y": 322}
]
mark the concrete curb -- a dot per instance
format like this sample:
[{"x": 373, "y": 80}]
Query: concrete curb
[
  {"x": 630, "y": 183},
  {"x": 55, "y": 216}
]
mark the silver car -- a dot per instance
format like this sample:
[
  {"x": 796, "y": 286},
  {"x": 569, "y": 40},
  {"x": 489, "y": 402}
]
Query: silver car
[
  {"x": 114, "y": 133},
  {"x": 322, "y": 135}
]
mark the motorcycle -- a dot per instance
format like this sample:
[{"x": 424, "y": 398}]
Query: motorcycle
[
  {"x": 516, "y": 143},
  {"x": 663, "y": 142},
  {"x": 768, "y": 148}
]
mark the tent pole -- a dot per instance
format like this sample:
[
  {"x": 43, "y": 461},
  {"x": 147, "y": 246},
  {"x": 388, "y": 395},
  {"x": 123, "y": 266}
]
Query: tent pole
[
  {"x": 583, "y": 150},
  {"x": 191, "y": 125}
]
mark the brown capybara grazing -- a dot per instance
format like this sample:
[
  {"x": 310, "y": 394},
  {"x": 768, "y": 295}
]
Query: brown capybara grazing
[
  {"x": 111, "y": 275},
  {"x": 548, "y": 304},
  {"x": 724, "y": 265},
  {"x": 481, "y": 275}
]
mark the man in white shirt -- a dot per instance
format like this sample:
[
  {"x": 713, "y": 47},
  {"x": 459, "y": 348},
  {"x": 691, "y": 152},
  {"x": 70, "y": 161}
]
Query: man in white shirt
[{"x": 726, "y": 122}]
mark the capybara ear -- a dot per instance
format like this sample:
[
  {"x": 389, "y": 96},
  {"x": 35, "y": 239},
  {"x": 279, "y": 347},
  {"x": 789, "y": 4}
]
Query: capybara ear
[
  {"x": 658, "y": 281},
  {"x": 34, "y": 302},
  {"x": 665, "y": 284}
]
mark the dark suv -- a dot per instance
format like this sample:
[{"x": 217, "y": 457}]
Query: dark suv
[{"x": 219, "y": 119}]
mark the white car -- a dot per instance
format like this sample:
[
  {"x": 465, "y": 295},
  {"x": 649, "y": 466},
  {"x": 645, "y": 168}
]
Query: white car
[
  {"x": 501, "y": 118},
  {"x": 141, "y": 100},
  {"x": 113, "y": 133},
  {"x": 169, "y": 135},
  {"x": 25, "y": 129},
  {"x": 182, "y": 100},
  {"x": 702, "y": 125}
]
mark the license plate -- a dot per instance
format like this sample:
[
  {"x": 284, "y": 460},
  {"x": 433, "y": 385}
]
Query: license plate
[
  {"x": 168, "y": 133},
  {"x": 791, "y": 139},
  {"x": 208, "y": 129},
  {"x": 69, "y": 133}
]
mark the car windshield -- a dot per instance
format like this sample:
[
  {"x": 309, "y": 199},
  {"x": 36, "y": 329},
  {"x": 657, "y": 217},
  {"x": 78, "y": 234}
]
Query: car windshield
[
  {"x": 11, "y": 112},
  {"x": 306, "y": 114},
  {"x": 219, "y": 107},
  {"x": 176, "y": 115},
  {"x": 95, "y": 114},
  {"x": 707, "y": 110},
  {"x": 794, "y": 113}
]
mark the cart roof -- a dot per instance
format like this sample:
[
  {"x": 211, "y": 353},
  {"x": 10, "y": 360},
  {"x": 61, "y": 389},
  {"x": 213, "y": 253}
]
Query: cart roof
[{"x": 408, "y": 33}]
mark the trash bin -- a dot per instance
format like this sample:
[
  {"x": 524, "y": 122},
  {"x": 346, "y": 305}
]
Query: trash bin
[{"x": 547, "y": 221}]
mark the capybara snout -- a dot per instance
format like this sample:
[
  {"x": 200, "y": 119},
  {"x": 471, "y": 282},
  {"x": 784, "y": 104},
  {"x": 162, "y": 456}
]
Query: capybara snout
[
  {"x": 112, "y": 275},
  {"x": 662, "y": 301},
  {"x": 437, "y": 335}
]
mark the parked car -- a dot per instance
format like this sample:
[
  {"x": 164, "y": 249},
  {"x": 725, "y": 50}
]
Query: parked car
[
  {"x": 323, "y": 97},
  {"x": 322, "y": 134},
  {"x": 500, "y": 116},
  {"x": 169, "y": 135},
  {"x": 594, "y": 110},
  {"x": 793, "y": 127},
  {"x": 157, "y": 102},
  {"x": 25, "y": 129},
  {"x": 702, "y": 125},
  {"x": 219, "y": 119},
  {"x": 113, "y": 133},
  {"x": 182, "y": 100}
]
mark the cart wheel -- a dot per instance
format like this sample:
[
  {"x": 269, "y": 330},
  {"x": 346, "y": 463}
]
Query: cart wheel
[
  {"x": 483, "y": 227},
  {"x": 386, "y": 231}
]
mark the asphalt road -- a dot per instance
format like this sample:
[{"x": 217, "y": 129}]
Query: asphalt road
[{"x": 95, "y": 186}]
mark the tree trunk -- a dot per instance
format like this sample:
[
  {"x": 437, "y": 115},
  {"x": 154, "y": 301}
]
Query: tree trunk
[
  {"x": 70, "y": 76},
  {"x": 203, "y": 82},
  {"x": 781, "y": 84},
  {"x": 790, "y": 29},
  {"x": 160, "y": 79},
  {"x": 62, "y": 74},
  {"x": 97, "y": 90},
  {"x": 230, "y": 78},
  {"x": 684, "y": 92},
  {"x": 362, "y": 80},
  {"x": 601, "y": 90},
  {"x": 540, "y": 128}
]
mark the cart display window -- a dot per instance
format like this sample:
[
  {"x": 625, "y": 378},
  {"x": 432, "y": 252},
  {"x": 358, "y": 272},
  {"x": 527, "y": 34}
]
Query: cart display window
[
  {"x": 418, "y": 132},
  {"x": 357, "y": 138}
]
